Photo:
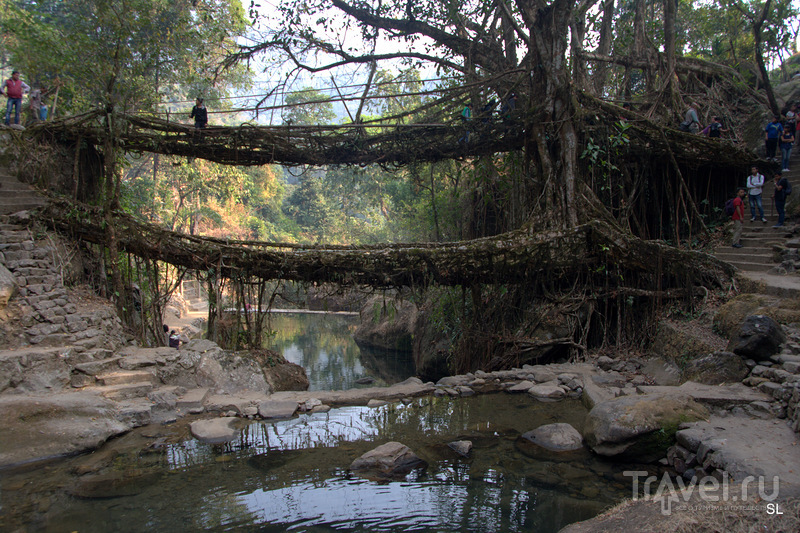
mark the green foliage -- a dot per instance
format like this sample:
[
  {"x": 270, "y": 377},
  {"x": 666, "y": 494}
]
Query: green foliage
[
  {"x": 124, "y": 53},
  {"x": 308, "y": 106}
]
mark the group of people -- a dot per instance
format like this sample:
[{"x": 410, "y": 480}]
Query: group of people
[
  {"x": 691, "y": 123},
  {"x": 14, "y": 89},
  {"x": 506, "y": 111},
  {"x": 173, "y": 338},
  {"x": 754, "y": 190},
  {"x": 776, "y": 133},
  {"x": 781, "y": 134}
]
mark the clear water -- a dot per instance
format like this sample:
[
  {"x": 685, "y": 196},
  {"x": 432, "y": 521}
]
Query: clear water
[
  {"x": 293, "y": 476},
  {"x": 323, "y": 345}
]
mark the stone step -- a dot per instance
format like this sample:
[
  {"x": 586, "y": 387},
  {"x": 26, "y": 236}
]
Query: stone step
[
  {"x": 9, "y": 208},
  {"x": 13, "y": 184},
  {"x": 125, "y": 377},
  {"x": 192, "y": 399},
  {"x": 770, "y": 284},
  {"x": 94, "y": 368},
  {"x": 126, "y": 391},
  {"x": 753, "y": 266},
  {"x": 733, "y": 257},
  {"x": 53, "y": 340},
  {"x": 11, "y": 194}
]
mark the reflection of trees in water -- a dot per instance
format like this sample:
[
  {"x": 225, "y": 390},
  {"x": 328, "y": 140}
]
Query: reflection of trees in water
[
  {"x": 387, "y": 365},
  {"x": 324, "y": 346}
]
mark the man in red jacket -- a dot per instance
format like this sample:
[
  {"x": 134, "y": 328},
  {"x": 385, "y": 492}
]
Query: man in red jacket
[
  {"x": 13, "y": 89},
  {"x": 738, "y": 217}
]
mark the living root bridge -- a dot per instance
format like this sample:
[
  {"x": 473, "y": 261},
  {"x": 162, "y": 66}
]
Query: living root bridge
[
  {"x": 595, "y": 249},
  {"x": 248, "y": 144}
]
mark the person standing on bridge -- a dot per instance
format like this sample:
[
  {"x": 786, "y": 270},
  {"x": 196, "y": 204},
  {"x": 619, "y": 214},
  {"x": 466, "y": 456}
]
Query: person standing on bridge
[
  {"x": 199, "y": 114},
  {"x": 13, "y": 89},
  {"x": 466, "y": 117}
]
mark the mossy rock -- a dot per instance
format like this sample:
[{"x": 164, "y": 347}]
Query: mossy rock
[
  {"x": 680, "y": 345},
  {"x": 729, "y": 317},
  {"x": 639, "y": 428}
]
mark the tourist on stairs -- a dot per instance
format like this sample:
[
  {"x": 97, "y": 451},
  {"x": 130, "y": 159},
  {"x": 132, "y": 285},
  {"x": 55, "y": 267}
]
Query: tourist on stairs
[
  {"x": 782, "y": 190},
  {"x": 738, "y": 217},
  {"x": 754, "y": 183}
]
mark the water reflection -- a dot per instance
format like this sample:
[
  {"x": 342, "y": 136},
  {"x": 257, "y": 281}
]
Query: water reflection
[
  {"x": 323, "y": 344},
  {"x": 293, "y": 476}
]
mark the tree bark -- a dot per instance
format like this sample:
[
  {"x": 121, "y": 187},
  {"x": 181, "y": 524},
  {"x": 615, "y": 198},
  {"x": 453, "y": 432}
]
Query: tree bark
[{"x": 604, "y": 47}]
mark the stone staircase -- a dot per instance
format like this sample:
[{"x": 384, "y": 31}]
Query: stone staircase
[
  {"x": 760, "y": 246},
  {"x": 16, "y": 196},
  {"x": 764, "y": 247}
]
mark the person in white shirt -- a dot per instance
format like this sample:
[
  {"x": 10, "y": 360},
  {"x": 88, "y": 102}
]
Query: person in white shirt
[{"x": 755, "y": 182}]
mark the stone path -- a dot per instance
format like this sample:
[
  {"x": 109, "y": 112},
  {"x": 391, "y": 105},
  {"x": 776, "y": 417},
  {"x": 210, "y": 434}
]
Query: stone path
[{"x": 16, "y": 196}]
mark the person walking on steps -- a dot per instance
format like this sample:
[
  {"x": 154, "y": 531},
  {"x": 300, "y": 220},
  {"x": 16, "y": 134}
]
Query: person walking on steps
[
  {"x": 738, "y": 217},
  {"x": 755, "y": 182},
  {"x": 772, "y": 135},
  {"x": 787, "y": 141},
  {"x": 782, "y": 190},
  {"x": 13, "y": 89}
]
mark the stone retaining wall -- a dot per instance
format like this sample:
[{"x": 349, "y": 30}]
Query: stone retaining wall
[{"x": 48, "y": 316}]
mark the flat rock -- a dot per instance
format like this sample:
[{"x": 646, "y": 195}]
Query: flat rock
[
  {"x": 726, "y": 396},
  {"x": 238, "y": 403},
  {"x": 192, "y": 399},
  {"x": 277, "y": 409},
  {"x": 522, "y": 386},
  {"x": 748, "y": 447},
  {"x": 410, "y": 388},
  {"x": 547, "y": 391},
  {"x": 215, "y": 430},
  {"x": 39, "y": 427}
]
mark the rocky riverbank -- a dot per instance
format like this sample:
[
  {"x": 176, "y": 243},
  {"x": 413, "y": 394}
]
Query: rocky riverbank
[{"x": 698, "y": 406}]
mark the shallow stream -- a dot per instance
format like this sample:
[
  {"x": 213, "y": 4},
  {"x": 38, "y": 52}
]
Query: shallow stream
[{"x": 293, "y": 475}]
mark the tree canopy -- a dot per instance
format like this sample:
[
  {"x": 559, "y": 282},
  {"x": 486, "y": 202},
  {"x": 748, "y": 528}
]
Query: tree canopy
[{"x": 131, "y": 54}]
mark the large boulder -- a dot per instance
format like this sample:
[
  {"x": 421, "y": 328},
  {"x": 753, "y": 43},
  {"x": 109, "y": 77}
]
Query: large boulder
[
  {"x": 639, "y": 428},
  {"x": 716, "y": 368},
  {"x": 759, "y": 338},
  {"x": 203, "y": 364},
  {"x": 281, "y": 375},
  {"x": 40, "y": 427},
  {"x": 558, "y": 437},
  {"x": 390, "y": 460},
  {"x": 8, "y": 286}
]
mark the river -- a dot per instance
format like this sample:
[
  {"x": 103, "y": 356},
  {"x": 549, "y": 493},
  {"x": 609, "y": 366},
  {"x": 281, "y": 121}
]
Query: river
[{"x": 293, "y": 475}]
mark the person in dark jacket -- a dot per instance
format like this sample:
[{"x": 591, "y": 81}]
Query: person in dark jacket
[
  {"x": 199, "y": 114},
  {"x": 782, "y": 189}
]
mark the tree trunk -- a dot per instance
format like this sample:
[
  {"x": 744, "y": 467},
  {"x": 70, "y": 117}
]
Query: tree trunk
[
  {"x": 670, "y": 15},
  {"x": 604, "y": 47},
  {"x": 762, "y": 68}
]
